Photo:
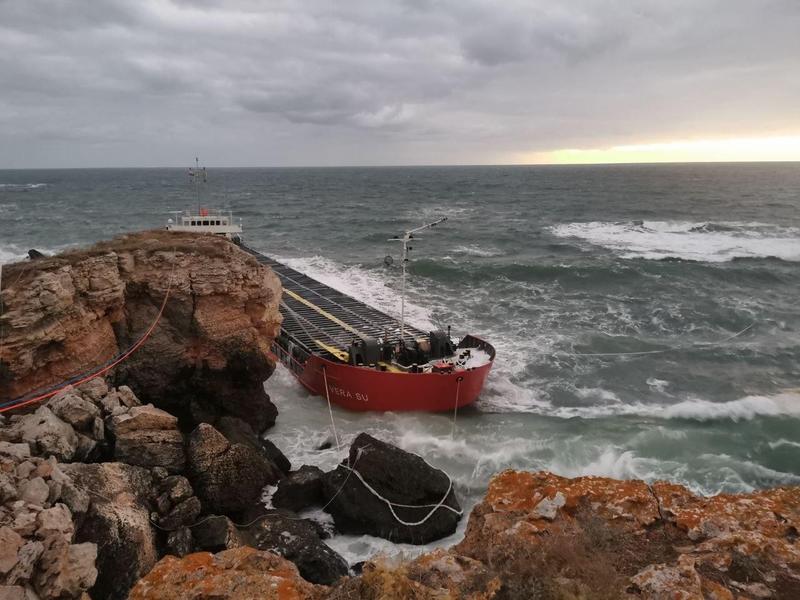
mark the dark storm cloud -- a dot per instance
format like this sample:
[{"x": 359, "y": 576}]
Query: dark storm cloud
[{"x": 310, "y": 82}]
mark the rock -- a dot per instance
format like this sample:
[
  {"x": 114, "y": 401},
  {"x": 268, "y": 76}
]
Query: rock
[
  {"x": 145, "y": 417},
  {"x": 47, "y": 435},
  {"x": 300, "y": 489},
  {"x": 27, "y": 557},
  {"x": 176, "y": 487},
  {"x": 35, "y": 491},
  {"x": 17, "y": 451},
  {"x": 34, "y": 254},
  {"x": 180, "y": 542},
  {"x": 118, "y": 521},
  {"x": 86, "y": 450},
  {"x": 274, "y": 453},
  {"x": 10, "y": 543},
  {"x": 297, "y": 540},
  {"x": 440, "y": 574},
  {"x": 594, "y": 536},
  {"x": 238, "y": 574},
  {"x": 94, "y": 389},
  {"x": 8, "y": 491},
  {"x": 67, "y": 570},
  {"x": 13, "y": 592},
  {"x": 126, "y": 397},
  {"x": 211, "y": 345},
  {"x": 56, "y": 520},
  {"x": 228, "y": 478},
  {"x": 237, "y": 431},
  {"x": 184, "y": 513},
  {"x": 216, "y": 533},
  {"x": 71, "y": 408},
  {"x": 401, "y": 478},
  {"x": 150, "y": 448}
]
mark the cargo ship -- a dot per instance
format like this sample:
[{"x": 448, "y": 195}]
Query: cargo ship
[{"x": 353, "y": 354}]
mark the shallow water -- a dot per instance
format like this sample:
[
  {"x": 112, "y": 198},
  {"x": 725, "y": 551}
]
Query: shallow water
[{"x": 547, "y": 263}]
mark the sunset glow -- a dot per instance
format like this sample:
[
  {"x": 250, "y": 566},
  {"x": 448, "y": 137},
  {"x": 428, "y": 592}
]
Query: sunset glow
[{"x": 784, "y": 148}]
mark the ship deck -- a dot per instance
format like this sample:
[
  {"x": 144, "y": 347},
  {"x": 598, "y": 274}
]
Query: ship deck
[{"x": 325, "y": 320}]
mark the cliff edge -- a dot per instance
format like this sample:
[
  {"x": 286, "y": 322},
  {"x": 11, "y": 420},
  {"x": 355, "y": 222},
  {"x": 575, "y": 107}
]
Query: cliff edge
[{"x": 207, "y": 356}]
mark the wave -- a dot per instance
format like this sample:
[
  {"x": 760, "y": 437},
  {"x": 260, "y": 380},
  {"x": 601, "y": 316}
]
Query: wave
[
  {"x": 478, "y": 251},
  {"x": 21, "y": 187},
  {"x": 505, "y": 396},
  {"x": 683, "y": 240},
  {"x": 363, "y": 284}
]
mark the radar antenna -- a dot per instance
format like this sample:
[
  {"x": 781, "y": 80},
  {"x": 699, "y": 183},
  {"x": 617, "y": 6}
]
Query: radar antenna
[{"x": 405, "y": 238}]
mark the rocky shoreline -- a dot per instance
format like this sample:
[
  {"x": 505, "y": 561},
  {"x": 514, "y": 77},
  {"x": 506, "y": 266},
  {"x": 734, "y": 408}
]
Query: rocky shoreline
[{"x": 150, "y": 483}]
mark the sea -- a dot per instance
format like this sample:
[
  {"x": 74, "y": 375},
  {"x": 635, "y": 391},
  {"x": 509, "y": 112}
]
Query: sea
[{"x": 646, "y": 318}]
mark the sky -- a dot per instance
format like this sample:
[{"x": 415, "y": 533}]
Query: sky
[{"x": 129, "y": 83}]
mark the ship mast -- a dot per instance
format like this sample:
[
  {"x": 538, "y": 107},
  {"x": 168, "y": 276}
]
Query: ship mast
[{"x": 405, "y": 239}]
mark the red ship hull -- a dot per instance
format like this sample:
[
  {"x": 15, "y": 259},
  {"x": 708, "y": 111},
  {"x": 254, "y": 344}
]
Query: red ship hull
[{"x": 364, "y": 389}]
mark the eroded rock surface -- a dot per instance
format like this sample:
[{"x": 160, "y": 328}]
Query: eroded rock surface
[
  {"x": 628, "y": 538},
  {"x": 209, "y": 354},
  {"x": 240, "y": 574},
  {"x": 228, "y": 478}
]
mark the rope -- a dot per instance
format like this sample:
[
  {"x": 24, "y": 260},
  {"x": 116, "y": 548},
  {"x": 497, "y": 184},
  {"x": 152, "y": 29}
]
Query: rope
[
  {"x": 103, "y": 369},
  {"x": 459, "y": 379},
  {"x": 391, "y": 505},
  {"x": 330, "y": 409}
]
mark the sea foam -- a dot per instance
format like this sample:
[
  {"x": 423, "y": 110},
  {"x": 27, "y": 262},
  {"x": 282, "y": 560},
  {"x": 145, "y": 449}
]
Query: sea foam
[{"x": 707, "y": 242}]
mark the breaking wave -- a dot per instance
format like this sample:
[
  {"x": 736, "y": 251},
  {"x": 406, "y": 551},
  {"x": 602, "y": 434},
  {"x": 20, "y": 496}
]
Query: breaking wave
[
  {"x": 705, "y": 242},
  {"x": 20, "y": 187}
]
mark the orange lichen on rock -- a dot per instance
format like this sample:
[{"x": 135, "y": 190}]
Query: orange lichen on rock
[
  {"x": 542, "y": 494},
  {"x": 241, "y": 573},
  {"x": 661, "y": 540}
]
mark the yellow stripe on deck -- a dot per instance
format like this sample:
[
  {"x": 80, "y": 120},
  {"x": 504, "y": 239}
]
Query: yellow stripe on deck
[
  {"x": 340, "y": 354},
  {"x": 324, "y": 313},
  {"x": 337, "y": 352}
]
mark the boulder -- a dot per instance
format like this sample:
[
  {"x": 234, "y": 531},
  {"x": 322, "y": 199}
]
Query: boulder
[
  {"x": 151, "y": 448},
  {"x": 399, "y": 477},
  {"x": 47, "y": 435},
  {"x": 228, "y": 478},
  {"x": 66, "y": 570},
  {"x": 237, "y": 431},
  {"x": 10, "y": 542},
  {"x": 94, "y": 389},
  {"x": 238, "y": 574},
  {"x": 299, "y": 541},
  {"x": 146, "y": 417},
  {"x": 300, "y": 489},
  {"x": 72, "y": 408},
  {"x": 215, "y": 533},
  {"x": 184, "y": 513},
  {"x": 180, "y": 542},
  {"x": 118, "y": 521}
]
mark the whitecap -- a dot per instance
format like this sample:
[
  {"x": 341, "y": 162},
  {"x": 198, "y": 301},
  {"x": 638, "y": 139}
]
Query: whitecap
[
  {"x": 686, "y": 240},
  {"x": 478, "y": 251}
]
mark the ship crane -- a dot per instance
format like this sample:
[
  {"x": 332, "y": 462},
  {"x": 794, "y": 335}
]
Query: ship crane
[{"x": 405, "y": 239}]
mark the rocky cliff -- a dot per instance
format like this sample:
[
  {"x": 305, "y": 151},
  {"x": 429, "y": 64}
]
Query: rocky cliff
[
  {"x": 537, "y": 535},
  {"x": 207, "y": 356}
]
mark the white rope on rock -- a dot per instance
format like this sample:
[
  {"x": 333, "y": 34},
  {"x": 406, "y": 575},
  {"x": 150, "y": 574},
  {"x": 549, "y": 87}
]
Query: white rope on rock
[{"x": 392, "y": 505}]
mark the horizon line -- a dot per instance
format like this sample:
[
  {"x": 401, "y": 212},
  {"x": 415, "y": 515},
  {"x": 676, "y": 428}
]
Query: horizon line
[{"x": 421, "y": 165}]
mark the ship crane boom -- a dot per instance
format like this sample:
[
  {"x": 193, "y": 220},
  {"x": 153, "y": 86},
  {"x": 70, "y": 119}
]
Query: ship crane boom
[{"x": 405, "y": 239}]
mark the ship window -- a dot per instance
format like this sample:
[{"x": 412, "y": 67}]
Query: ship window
[
  {"x": 193, "y": 223},
  {"x": 217, "y": 222}
]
